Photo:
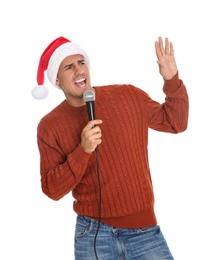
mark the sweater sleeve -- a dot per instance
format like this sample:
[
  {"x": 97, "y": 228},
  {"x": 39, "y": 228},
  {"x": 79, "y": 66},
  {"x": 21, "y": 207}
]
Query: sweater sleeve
[
  {"x": 172, "y": 115},
  {"x": 60, "y": 173}
]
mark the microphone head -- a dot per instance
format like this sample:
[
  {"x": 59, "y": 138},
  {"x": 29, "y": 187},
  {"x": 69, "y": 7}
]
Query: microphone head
[{"x": 89, "y": 96}]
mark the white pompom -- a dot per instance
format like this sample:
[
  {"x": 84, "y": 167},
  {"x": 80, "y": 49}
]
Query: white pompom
[{"x": 40, "y": 92}]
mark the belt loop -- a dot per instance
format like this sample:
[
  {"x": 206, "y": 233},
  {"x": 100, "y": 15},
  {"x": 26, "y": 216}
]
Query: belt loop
[{"x": 91, "y": 224}]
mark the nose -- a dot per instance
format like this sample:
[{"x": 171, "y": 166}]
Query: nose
[{"x": 79, "y": 70}]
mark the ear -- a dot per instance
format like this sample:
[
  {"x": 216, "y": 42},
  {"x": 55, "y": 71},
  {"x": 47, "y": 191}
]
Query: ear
[{"x": 58, "y": 82}]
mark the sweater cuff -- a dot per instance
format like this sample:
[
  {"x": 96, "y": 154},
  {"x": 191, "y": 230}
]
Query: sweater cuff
[
  {"x": 171, "y": 86},
  {"x": 80, "y": 156}
]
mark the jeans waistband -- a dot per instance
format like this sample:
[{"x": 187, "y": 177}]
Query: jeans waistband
[{"x": 93, "y": 224}]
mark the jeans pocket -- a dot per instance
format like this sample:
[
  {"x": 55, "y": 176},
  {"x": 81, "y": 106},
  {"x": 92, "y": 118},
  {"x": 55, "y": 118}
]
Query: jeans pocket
[
  {"x": 149, "y": 229},
  {"x": 81, "y": 229}
]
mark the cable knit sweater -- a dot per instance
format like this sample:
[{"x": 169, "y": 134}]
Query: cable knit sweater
[{"x": 127, "y": 113}]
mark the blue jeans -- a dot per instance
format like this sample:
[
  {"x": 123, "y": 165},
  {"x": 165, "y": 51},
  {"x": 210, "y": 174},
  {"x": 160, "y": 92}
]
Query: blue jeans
[{"x": 117, "y": 243}]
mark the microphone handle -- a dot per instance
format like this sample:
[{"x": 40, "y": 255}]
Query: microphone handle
[
  {"x": 91, "y": 114},
  {"x": 90, "y": 110}
]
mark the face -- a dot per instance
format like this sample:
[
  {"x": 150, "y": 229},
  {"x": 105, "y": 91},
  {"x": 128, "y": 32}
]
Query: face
[{"x": 74, "y": 79}]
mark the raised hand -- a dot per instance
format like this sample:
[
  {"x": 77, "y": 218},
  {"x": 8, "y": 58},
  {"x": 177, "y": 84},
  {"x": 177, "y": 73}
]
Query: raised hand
[{"x": 166, "y": 60}]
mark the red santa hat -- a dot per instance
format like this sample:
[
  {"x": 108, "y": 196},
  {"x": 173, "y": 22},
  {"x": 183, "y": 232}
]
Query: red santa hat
[{"x": 51, "y": 59}]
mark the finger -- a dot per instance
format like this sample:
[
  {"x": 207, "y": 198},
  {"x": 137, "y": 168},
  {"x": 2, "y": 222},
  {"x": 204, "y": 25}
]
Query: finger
[
  {"x": 161, "y": 45},
  {"x": 95, "y": 130},
  {"x": 167, "y": 46},
  {"x": 96, "y": 122},
  {"x": 98, "y": 136},
  {"x": 158, "y": 49},
  {"x": 171, "y": 49},
  {"x": 92, "y": 123}
]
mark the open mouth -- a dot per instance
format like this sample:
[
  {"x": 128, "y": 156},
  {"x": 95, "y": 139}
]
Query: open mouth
[{"x": 81, "y": 83}]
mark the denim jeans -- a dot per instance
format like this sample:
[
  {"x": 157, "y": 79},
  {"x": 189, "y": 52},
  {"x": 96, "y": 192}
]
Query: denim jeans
[{"x": 118, "y": 244}]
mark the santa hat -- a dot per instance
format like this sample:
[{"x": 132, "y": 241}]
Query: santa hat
[{"x": 51, "y": 59}]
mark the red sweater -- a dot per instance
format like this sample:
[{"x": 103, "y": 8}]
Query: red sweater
[{"x": 127, "y": 113}]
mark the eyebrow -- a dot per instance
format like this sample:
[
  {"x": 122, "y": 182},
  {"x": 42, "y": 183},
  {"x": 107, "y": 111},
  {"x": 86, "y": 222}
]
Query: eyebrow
[{"x": 68, "y": 65}]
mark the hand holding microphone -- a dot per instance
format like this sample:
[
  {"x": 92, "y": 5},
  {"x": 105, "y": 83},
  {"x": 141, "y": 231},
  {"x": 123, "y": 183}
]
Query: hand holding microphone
[{"x": 91, "y": 134}]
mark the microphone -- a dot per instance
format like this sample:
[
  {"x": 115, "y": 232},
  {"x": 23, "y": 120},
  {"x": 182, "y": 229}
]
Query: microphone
[{"x": 89, "y": 98}]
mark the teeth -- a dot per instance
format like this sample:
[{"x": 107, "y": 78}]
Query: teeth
[{"x": 80, "y": 80}]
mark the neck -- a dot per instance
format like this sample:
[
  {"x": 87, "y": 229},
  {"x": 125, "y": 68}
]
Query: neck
[{"x": 76, "y": 101}]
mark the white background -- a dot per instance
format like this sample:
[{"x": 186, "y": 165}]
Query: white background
[{"x": 119, "y": 37}]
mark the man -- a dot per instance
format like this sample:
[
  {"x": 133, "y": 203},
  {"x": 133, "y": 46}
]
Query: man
[{"x": 104, "y": 161}]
